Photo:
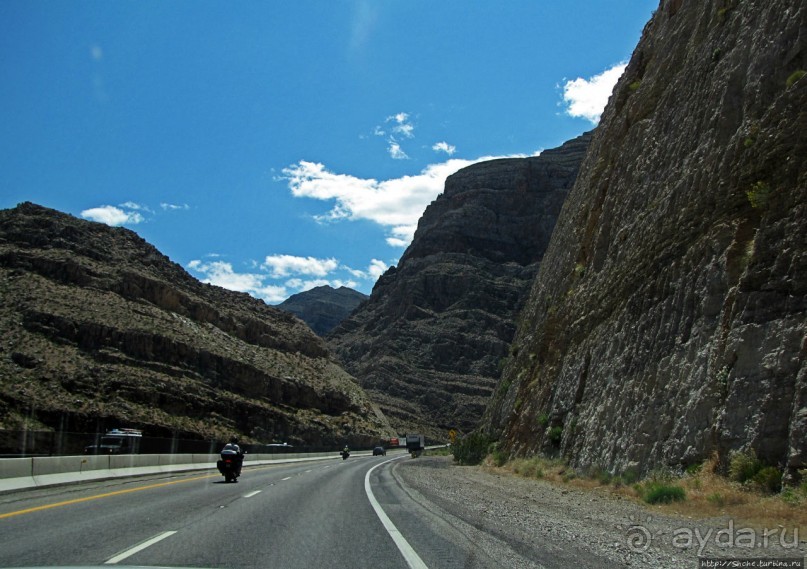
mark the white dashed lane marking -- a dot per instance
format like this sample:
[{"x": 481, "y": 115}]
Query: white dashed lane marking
[{"x": 137, "y": 548}]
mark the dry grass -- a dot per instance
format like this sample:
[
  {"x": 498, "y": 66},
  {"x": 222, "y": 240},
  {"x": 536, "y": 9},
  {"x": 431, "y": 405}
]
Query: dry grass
[{"x": 708, "y": 494}]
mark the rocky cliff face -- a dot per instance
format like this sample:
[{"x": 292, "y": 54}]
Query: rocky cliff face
[
  {"x": 323, "y": 307},
  {"x": 98, "y": 325},
  {"x": 428, "y": 343},
  {"x": 668, "y": 319}
]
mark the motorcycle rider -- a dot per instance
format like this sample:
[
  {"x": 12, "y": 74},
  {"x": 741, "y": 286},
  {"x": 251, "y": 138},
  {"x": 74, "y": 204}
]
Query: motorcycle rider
[
  {"x": 345, "y": 452},
  {"x": 239, "y": 454}
]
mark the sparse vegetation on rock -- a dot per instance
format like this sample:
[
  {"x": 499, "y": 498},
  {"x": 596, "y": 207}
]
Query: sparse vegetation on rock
[
  {"x": 100, "y": 329},
  {"x": 685, "y": 336}
]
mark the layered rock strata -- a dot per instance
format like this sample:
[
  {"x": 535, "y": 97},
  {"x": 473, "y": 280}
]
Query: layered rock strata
[
  {"x": 427, "y": 345},
  {"x": 668, "y": 319},
  {"x": 99, "y": 326}
]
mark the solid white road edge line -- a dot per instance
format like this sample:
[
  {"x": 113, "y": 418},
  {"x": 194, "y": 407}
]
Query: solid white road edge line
[
  {"x": 410, "y": 556},
  {"x": 129, "y": 552},
  {"x": 251, "y": 494}
]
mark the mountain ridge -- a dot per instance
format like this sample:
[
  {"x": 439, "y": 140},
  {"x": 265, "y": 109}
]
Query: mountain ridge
[
  {"x": 98, "y": 324},
  {"x": 323, "y": 307},
  {"x": 667, "y": 322},
  {"x": 427, "y": 344}
]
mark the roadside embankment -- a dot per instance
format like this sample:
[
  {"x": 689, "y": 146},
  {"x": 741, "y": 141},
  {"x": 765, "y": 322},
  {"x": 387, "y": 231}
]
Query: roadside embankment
[{"x": 532, "y": 516}]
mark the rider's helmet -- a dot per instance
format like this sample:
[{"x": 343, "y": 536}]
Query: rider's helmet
[{"x": 234, "y": 440}]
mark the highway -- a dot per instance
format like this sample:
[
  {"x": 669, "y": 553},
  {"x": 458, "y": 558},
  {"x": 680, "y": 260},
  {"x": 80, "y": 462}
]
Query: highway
[{"x": 333, "y": 513}]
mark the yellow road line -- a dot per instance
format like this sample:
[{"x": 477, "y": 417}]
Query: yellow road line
[{"x": 99, "y": 496}]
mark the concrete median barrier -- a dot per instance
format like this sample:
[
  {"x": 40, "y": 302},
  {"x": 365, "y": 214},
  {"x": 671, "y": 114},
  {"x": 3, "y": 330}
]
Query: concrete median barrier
[
  {"x": 47, "y": 465},
  {"x": 133, "y": 460},
  {"x": 16, "y": 467},
  {"x": 21, "y": 473},
  {"x": 133, "y": 464},
  {"x": 16, "y": 473},
  {"x": 50, "y": 470}
]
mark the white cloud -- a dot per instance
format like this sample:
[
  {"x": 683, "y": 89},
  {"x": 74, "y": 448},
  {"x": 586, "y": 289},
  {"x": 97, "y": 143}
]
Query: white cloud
[
  {"x": 377, "y": 268},
  {"x": 587, "y": 98},
  {"x": 135, "y": 206},
  {"x": 301, "y": 285},
  {"x": 405, "y": 130},
  {"x": 221, "y": 273},
  {"x": 374, "y": 270},
  {"x": 395, "y": 151},
  {"x": 259, "y": 283},
  {"x": 127, "y": 213},
  {"x": 401, "y": 125},
  {"x": 285, "y": 265},
  {"x": 449, "y": 149},
  {"x": 401, "y": 236},
  {"x": 112, "y": 215},
  {"x": 396, "y": 204},
  {"x": 174, "y": 207},
  {"x": 338, "y": 283}
]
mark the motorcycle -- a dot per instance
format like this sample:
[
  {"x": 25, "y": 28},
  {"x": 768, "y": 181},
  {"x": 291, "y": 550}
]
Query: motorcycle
[
  {"x": 229, "y": 465},
  {"x": 345, "y": 454}
]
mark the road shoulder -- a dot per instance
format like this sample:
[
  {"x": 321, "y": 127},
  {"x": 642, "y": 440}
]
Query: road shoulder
[{"x": 546, "y": 522}]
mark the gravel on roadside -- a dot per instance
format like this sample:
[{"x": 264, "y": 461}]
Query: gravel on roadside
[{"x": 529, "y": 519}]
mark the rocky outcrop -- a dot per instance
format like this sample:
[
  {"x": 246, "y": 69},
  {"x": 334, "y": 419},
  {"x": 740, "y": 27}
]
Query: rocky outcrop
[
  {"x": 98, "y": 325},
  {"x": 323, "y": 307},
  {"x": 427, "y": 345},
  {"x": 668, "y": 319}
]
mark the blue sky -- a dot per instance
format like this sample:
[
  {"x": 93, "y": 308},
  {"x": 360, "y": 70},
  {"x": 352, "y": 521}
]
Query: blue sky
[{"x": 270, "y": 147}]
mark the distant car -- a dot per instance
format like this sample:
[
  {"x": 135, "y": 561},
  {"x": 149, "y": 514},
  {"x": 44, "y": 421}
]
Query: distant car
[
  {"x": 379, "y": 451},
  {"x": 117, "y": 441}
]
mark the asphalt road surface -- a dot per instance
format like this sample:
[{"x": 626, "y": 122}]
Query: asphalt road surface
[{"x": 334, "y": 513}]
